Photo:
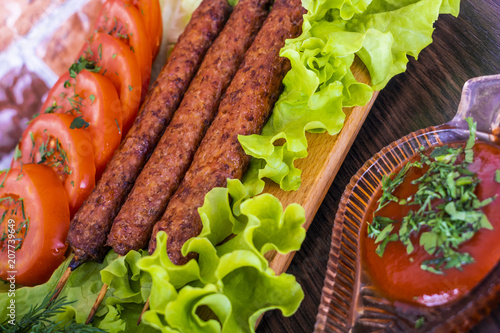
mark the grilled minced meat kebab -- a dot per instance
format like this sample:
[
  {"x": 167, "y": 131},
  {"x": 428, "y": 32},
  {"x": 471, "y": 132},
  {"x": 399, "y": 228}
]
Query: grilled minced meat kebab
[
  {"x": 244, "y": 109},
  {"x": 165, "y": 169}
]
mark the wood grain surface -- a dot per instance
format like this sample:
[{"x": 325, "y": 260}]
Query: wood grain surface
[
  {"x": 427, "y": 94},
  {"x": 319, "y": 168}
]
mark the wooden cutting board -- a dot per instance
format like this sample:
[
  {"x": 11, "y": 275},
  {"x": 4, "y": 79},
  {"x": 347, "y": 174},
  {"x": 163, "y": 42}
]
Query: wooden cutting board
[{"x": 325, "y": 156}]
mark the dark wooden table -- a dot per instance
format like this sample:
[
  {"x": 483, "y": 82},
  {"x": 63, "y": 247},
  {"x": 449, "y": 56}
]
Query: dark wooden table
[{"x": 427, "y": 94}]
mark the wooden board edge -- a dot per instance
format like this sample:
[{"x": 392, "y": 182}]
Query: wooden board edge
[{"x": 344, "y": 140}]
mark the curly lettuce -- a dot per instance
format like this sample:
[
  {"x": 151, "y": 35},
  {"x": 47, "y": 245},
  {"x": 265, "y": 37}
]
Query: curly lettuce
[
  {"x": 231, "y": 278},
  {"x": 382, "y": 33},
  {"x": 128, "y": 290},
  {"x": 231, "y": 281}
]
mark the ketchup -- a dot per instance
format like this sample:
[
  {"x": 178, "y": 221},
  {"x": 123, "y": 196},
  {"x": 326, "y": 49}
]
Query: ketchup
[{"x": 399, "y": 276}]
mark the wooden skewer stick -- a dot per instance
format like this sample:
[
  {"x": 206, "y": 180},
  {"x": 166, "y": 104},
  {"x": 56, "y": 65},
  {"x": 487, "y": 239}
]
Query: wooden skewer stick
[
  {"x": 98, "y": 302},
  {"x": 144, "y": 309},
  {"x": 65, "y": 277},
  {"x": 62, "y": 282}
]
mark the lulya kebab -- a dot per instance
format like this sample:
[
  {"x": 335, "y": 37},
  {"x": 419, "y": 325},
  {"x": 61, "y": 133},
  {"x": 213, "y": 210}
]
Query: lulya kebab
[
  {"x": 131, "y": 229},
  {"x": 164, "y": 170},
  {"x": 90, "y": 226},
  {"x": 244, "y": 109}
]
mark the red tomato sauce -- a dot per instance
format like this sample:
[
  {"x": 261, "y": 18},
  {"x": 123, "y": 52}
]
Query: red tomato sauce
[{"x": 399, "y": 276}]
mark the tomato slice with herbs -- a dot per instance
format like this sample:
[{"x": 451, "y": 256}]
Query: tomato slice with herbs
[
  {"x": 50, "y": 140},
  {"x": 117, "y": 62},
  {"x": 151, "y": 14},
  {"x": 92, "y": 98},
  {"x": 123, "y": 21},
  {"x": 34, "y": 222}
]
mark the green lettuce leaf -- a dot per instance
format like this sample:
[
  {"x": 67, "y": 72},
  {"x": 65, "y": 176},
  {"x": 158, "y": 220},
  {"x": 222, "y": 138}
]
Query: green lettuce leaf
[
  {"x": 382, "y": 33},
  {"x": 82, "y": 288},
  {"x": 231, "y": 281},
  {"x": 128, "y": 290}
]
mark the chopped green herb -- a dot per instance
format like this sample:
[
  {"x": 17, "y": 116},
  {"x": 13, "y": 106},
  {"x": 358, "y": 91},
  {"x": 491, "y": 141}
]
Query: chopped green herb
[
  {"x": 32, "y": 145},
  {"x": 52, "y": 108},
  {"x": 448, "y": 213},
  {"x": 99, "y": 51},
  {"x": 92, "y": 98},
  {"x": 13, "y": 205},
  {"x": 124, "y": 36},
  {"x": 44, "y": 153},
  {"x": 67, "y": 170},
  {"x": 118, "y": 125},
  {"x": 22, "y": 207},
  {"x": 34, "y": 116},
  {"x": 27, "y": 224},
  {"x": 17, "y": 153},
  {"x": 32, "y": 139},
  {"x": 440, "y": 151},
  {"x": 53, "y": 154},
  {"x": 2, "y": 184},
  {"x": 469, "y": 155},
  {"x": 79, "y": 122},
  {"x": 419, "y": 322},
  {"x": 113, "y": 56},
  {"x": 18, "y": 246},
  {"x": 9, "y": 198},
  {"x": 130, "y": 88},
  {"x": 472, "y": 136},
  {"x": 89, "y": 51},
  {"x": 81, "y": 64},
  {"x": 497, "y": 176},
  {"x": 76, "y": 102},
  {"x": 3, "y": 217}
]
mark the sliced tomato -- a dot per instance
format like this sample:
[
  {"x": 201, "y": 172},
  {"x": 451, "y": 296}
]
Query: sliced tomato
[
  {"x": 34, "y": 222},
  {"x": 49, "y": 140},
  {"x": 117, "y": 62},
  {"x": 123, "y": 21},
  {"x": 94, "y": 98},
  {"x": 151, "y": 14}
]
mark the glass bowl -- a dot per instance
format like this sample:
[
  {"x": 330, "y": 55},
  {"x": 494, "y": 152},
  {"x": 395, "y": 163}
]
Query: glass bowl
[{"x": 350, "y": 302}]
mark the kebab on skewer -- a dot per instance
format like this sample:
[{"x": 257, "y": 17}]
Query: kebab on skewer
[
  {"x": 172, "y": 156},
  {"x": 243, "y": 110}
]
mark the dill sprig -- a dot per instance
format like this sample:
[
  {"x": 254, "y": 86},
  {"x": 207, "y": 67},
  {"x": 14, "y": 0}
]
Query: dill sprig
[{"x": 39, "y": 319}]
